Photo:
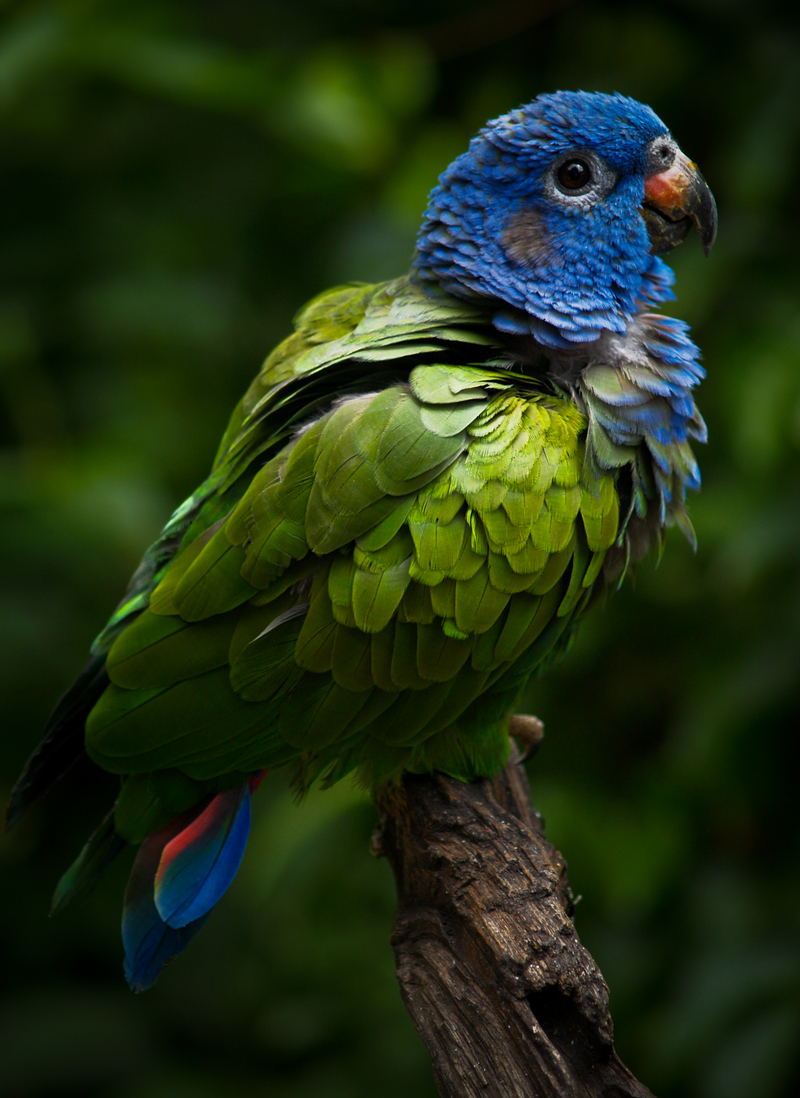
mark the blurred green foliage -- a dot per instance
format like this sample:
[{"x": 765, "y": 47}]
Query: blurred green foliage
[{"x": 177, "y": 177}]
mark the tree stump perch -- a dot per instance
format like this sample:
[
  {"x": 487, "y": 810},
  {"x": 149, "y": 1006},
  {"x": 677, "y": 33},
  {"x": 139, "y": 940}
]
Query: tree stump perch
[{"x": 507, "y": 1000}]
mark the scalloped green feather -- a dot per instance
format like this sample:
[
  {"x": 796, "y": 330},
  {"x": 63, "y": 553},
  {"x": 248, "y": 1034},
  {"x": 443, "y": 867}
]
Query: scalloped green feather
[
  {"x": 482, "y": 657},
  {"x": 377, "y": 595},
  {"x": 440, "y": 657},
  {"x": 406, "y": 723},
  {"x": 252, "y": 620},
  {"x": 454, "y": 384},
  {"x": 438, "y": 545},
  {"x": 425, "y": 576},
  {"x": 504, "y": 537},
  {"x": 157, "y": 651},
  {"x": 315, "y": 641},
  {"x": 593, "y": 571},
  {"x": 528, "y": 617},
  {"x": 550, "y": 531},
  {"x": 490, "y": 496},
  {"x": 381, "y": 656},
  {"x": 404, "y": 658},
  {"x": 417, "y": 605},
  {"x": 265, "y": 668},
  {"x": 443, "y": 598},
  {"x": 379, "y": 535},
  {"x": 260, "y": 493},
  {"x": 391, "y": 553},
  {"x": 317, "y": 713},
  {"x": 504, "y": 578},
  {"x": 399, "y": 528},
  {"x": 528, "y": 561},
  {"x": 341, "y": 572},
  {"x": 469, "y": 562},
  {"x": 344, "y": 466},
  {"x": 478, "y": 604},
  {"x": 556, "y": 565},
  {"x": 579, "y": 562},
  {"x": 438, "y": 501},
  {"x": 140, "y": 730},
  {"x": 351, "y": 659},
  {"x": 162, "y": 597},
  {"x": 213, "y": 582},
  {"x": 446, "y": 421},
  {"x": 452, "y": 630},
  {"x": 600, "y": 514},
  {"x": 408, "y": 456}
]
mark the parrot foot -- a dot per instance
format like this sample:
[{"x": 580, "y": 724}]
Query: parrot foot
[{"x": 528, "y": 731}]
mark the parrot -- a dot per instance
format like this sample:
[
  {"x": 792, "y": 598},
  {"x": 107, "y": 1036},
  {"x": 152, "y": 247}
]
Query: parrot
[{"x": 427, "y": 485}]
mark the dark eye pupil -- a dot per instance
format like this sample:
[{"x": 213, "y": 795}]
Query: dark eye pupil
[{"x": 574, "y": 174}]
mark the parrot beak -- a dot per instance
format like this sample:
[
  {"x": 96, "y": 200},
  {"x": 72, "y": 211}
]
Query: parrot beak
[{"x": 675, "y": 198}]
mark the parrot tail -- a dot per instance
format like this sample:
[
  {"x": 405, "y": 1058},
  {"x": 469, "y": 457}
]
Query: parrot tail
[{"x": 179, "y": 874}]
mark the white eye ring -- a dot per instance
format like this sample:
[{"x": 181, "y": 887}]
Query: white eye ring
[{"x": 580, "y": 177}]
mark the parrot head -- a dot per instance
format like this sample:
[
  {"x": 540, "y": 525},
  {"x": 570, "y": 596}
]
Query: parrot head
[{"x": 559, "y": 212}]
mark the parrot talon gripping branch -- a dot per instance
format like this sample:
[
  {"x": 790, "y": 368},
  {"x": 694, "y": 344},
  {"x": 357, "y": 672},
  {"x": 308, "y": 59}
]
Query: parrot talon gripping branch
[{"x": 426, "y": 486}]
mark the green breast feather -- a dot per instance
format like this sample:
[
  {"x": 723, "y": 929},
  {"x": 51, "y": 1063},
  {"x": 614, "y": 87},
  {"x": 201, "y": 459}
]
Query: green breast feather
[{"x": 385, "y": 584}]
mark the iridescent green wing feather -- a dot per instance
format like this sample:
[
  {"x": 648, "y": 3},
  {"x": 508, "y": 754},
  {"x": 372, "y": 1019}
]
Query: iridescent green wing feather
[
  {"x": 383, "y": 571},
  {"x": 352, "y": 328}
]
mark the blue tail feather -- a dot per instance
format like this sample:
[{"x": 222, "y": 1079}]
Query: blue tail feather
[
  {"x": 179, "y": 874},
  {"x": 198, "y": 865}
]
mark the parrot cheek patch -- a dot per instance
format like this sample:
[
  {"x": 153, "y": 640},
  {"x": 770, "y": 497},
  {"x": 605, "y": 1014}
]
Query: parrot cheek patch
[{"x": 526, "y": 239}]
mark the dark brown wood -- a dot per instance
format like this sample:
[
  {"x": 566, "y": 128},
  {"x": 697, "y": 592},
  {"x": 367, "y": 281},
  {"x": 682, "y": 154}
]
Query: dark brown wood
[{"x": 506, "y": 998}]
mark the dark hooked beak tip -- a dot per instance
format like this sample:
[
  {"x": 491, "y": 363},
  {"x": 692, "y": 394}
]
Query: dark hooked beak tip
[{"x": 674, "y": 200}]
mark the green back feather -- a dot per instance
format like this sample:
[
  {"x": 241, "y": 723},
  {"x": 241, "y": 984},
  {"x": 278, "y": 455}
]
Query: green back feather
[{"x": 398, "y": 530}]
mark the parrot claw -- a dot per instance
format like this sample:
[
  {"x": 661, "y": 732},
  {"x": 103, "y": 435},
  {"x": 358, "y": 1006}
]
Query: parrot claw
[{"x": 528, "y": 731}]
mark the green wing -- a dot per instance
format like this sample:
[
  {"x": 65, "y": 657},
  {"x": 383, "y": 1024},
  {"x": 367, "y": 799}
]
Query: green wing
[
  {"x": 365, "y": 586},
  {"x": 349, "y": 339}
]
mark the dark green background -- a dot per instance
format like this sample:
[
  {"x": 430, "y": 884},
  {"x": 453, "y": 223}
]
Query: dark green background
[{"x": 177, "y": 177}]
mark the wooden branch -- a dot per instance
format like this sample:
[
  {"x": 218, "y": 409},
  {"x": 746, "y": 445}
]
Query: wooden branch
[{"x": 506, "y": 998}]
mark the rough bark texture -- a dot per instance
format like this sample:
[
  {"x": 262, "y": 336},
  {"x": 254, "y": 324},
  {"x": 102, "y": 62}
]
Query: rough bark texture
[{"x": 490, "y": 967}]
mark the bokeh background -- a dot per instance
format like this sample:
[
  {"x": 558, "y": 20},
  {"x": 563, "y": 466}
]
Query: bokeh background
[{"x": 176, "y": 178}]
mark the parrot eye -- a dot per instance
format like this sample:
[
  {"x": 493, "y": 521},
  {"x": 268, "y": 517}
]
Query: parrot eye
[
  {"x": 578, "y": 178},
  {"x": 573, "y": 175}
]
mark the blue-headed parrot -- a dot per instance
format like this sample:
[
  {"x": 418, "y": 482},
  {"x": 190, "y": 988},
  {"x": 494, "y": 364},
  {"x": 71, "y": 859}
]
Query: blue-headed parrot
[{"x": 425, "y": 487}]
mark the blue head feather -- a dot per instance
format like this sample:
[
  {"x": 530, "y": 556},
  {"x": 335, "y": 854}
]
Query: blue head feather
[{"x": 563, "y": 266}]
